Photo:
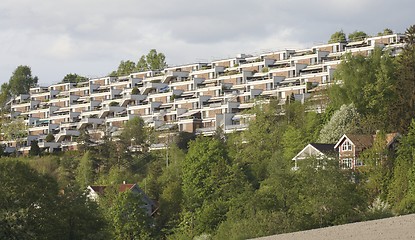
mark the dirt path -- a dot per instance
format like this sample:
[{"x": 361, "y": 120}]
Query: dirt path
[{"x": 402, "y": 227}]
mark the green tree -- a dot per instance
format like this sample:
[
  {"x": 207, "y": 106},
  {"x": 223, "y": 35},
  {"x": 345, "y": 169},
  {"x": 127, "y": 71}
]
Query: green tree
[
  {"x": 357, "y": 36},
  {"x": 404, "y": 106},
  {"x": 84, "y": 140},
  {"x": 151, "y": 61},
  {"x": 4, "y": 95},
  {"x": 142, "y": 64},
  {"x": 292, "y": 142},
  {"x": 22, "y": 80},
  {"x": 155, "y": 61},
  {"x": 183, "y": 139},
  {"x": 386, "y": 31},
  {"x": 171, "y": 195},
  {"x": 125, "y": 68},
  {"x": 79, "y": 216},
  {"x": 34, "y": 149},
  {"x": 260, "y": 146},
  {"x": 50, "y": 137},
  {"x": 402, "y": 188},
  {"x": 210, "y": 181},
  {"x": 134, "y": 132},
  {"x": 318, "y": 190},
  {"x": 127, "y": 217},
  {"x": 28, "y": 203},
  {"x": 378, "y": 168},
  {"x": 15, "y": 130},
  {"x": 85, "y": 170},
  {"x": 135, "y": 91},
  {"x": 368, "y": 83},
  {"x": 338, "y": 37},
  {"x": 73, "y": 78}
]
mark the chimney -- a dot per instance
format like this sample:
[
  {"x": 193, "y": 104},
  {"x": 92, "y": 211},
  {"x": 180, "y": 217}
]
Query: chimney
[{"x": 123, "y": 182}]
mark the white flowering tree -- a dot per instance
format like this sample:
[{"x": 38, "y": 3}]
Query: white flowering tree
[{"x": 343, "y": 121}]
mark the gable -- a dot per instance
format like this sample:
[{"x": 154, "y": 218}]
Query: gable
[{"x": 308, "y": 151}]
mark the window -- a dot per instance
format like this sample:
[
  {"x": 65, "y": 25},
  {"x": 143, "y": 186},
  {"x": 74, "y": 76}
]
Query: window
[
  {"x": 358, "y": 162},
  {"x": 347, "y": 163},
  {"x": 347, "y": 146}
]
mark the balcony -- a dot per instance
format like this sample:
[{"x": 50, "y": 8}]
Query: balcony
[
  {"x": 89, "y": 121},
  {"x": 64, "y": 133}
]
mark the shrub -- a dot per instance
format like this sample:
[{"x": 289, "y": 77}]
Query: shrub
[{"x": 50, "y": 138}]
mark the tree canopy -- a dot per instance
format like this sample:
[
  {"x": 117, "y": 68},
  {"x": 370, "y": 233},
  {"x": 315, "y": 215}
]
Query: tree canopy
[
  {"x": 151, "y": 61},
  {"x": 22, "y": 80},
  {"x": 73, "y": 78},
  {"x": 19, "y": 83},
  {"x": 357, "y": 36},
  {"x": 339, "y": 36}
]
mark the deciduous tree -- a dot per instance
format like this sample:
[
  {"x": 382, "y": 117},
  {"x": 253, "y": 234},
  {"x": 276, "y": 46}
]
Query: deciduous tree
[
  {"x": 22, "y": 80},
  {"x": 338, "y": 37}
]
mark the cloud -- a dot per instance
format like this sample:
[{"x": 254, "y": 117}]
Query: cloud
[{"x": 92, "y": 37}]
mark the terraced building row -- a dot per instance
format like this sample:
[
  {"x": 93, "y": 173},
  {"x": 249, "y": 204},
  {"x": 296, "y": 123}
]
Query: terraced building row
[{"x": 195, "y": 98}]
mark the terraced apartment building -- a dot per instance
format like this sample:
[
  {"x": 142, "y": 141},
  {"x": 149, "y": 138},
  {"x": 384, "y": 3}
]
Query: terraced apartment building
[{"x": 196, "y": 98}]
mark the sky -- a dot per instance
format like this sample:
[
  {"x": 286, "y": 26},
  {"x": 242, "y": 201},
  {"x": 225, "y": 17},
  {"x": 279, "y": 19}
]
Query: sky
[{"x": 91, "y": 37}]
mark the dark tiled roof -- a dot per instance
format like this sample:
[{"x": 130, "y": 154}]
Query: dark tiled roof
[
  {"x": 324, "y": 147},
  {"x": 360, "y": 140}
]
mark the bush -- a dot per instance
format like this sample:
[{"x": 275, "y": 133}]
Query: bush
[
  {"x": 114, "y": 104},
  {"x": 135, "y": 91},
  {"x": 50, "y": 138}
]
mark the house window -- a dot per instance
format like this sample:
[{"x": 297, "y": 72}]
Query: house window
[
  {"x": 358, "y": 162},
  {"x": 347, "y": 146},
  {"x": 347, "y": 163}
]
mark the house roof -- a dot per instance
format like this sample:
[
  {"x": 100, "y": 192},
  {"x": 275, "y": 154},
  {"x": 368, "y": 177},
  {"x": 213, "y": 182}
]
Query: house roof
[
  {"x": 391, "y": 137},
  {"x": 324, "y": 147},
  {"x": 315, "y": 149},
  {"x": 360, "y": 140},
  {"x": 99, "y": 189},
  {"x": 365, "y": 140}
]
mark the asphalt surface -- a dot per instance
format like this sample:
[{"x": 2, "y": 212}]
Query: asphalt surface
[{"x": 402, "y": 227}]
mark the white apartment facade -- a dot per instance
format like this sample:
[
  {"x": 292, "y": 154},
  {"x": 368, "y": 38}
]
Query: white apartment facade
[{"x": 196, "y": 98}]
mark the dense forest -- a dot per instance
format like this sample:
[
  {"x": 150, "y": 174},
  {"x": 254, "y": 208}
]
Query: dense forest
[{"x": 231, "y": 186}]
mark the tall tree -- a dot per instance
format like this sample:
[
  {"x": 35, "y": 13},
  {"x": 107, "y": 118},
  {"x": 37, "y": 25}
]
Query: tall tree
[
  {"x": 378, "y": 168},
  {"x": 127, "y": 217},
  {"x": 404, "y": 108},
  {"x": 28, "y": 203},
  {"x": 292, "y": 142},
  {"x": 386, "y": 31},
  {"x": 142, "y": 64},
  {"x": 125, "y": 68},
  {"x": 368, "y": 83},
  {"x": 134, "y": 132},
  {"x": 357, "y": 36},
  {"x": 85, "y": 171},
  {"x": 402, "y": 187},
  {"x": 34, "y": 149},
  {"x": 22, "y": 80},
  {"x": 338, "y": 37},
  {"x": 209, "y": 182},
  {"x": 14, "y": 130},
  {"x": 73, "y": 78},
  {"x": 156, "y": 61},
  {"x": 4, "y": 95},
  {"x": 79, "y": 216},
  {"x": 318, "y": 204}
]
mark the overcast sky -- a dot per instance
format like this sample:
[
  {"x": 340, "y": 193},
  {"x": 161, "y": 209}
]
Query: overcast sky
[{"x": 91, "y": 37}]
